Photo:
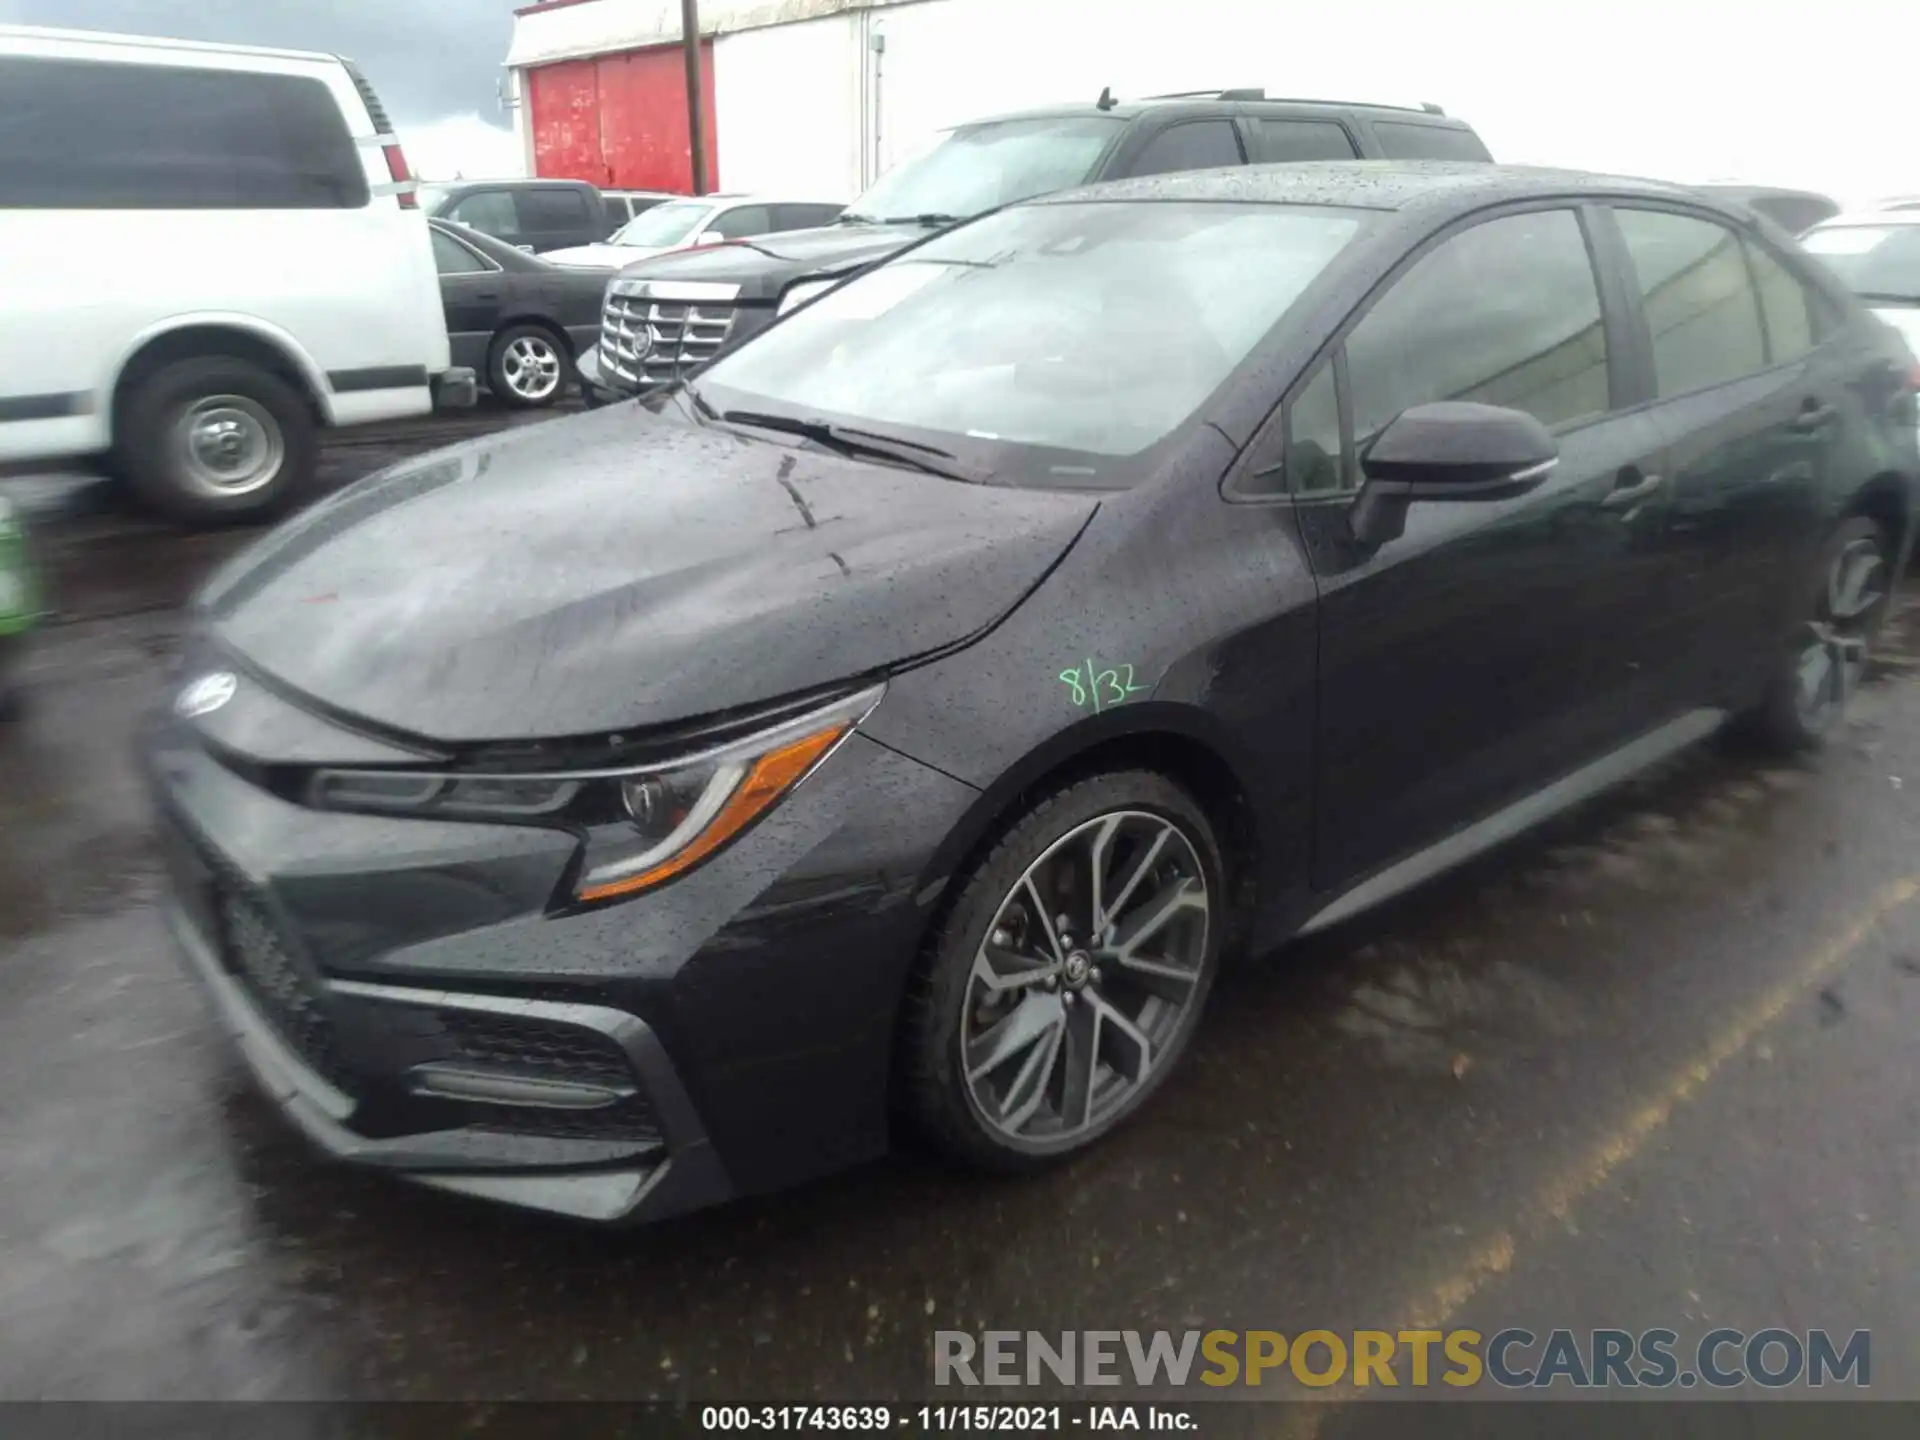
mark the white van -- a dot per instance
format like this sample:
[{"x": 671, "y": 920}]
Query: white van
[{"x": 207, "y": 253}]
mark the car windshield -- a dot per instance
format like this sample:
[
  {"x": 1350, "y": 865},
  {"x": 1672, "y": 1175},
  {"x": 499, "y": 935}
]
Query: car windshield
[
  {"x": 1045, "y": 340},
  {"x": 1878, "y": 262},
  {"x": 981, "y": 167},
  {"x": 663, "y": 225}
]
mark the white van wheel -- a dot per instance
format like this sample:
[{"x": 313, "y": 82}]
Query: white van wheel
[{"x": 216, "y": 440}]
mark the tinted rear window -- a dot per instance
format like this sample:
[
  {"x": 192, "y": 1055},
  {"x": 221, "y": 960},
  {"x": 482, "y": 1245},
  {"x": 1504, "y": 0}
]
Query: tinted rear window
[
  {"x": 551, "y": 209},
  {"x": 89, "y": 135},
  {"x": 1283, "y": 141},
  {"x": 1401, "y": 140}
]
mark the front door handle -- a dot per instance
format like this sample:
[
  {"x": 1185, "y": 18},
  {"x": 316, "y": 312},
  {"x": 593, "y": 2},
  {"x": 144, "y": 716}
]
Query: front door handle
[
  {"x": 1630, "y": 491},
  {"x": 1814, "y": 416}
]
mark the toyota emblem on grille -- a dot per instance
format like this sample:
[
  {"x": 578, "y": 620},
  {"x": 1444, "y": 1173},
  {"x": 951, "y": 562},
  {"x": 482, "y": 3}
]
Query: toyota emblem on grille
[{"x": 206, "y": 694}]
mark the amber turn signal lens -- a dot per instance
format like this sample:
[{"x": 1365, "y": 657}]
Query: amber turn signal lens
[{"x": 772, "y": 775}]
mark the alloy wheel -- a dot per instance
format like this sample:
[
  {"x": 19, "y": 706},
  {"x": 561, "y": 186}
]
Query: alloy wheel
[
  {"x": 1833, "y": 651},
  {"x": 531, "y": 367},
  {"x": 1089, "y": 972}
]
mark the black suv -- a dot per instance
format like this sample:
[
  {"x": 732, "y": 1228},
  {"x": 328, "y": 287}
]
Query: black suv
[
  {"x": 668, "y": 316},
  {"x": 532, "y": 215}
]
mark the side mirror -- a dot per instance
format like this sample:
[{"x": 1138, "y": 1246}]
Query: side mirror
[{"x": 1449, "y": 450}]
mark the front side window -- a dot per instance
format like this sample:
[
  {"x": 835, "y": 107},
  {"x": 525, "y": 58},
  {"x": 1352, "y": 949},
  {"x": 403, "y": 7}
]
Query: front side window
[
  {"x": 982, "y": 167},
  {"x": 1315, "y": 465},
  {"x": 664, "y": 225},
  {"x": 490, "y": 212},
  {"x": 1506, "y": 313},
  {"x": 1191, "y": 145},
  {"x": 1089, "y": 329},
  {"x": 93, "y": 135},
  {"x": 1699, "y": 299}
]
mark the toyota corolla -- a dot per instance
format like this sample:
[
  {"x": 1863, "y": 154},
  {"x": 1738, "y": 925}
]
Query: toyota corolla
[{"x": 894, "y": 728}]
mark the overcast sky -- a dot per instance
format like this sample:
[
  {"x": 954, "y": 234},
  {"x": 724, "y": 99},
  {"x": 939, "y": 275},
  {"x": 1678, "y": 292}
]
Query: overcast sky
[{"x": 429, "y": 59}]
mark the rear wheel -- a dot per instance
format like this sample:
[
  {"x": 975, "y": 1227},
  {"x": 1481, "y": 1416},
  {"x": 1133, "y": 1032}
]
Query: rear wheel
[
  {"x": 216, "y": 440},
  {"x": 527, "y": 367},
  {"x": 1827, "y": 655},
  {"x": 1067, "y": 980}
]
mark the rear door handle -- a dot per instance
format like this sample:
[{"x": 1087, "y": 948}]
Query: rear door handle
[
  {"x": 1629, "y": 493},
  {"x": 1813, "y": 416}
]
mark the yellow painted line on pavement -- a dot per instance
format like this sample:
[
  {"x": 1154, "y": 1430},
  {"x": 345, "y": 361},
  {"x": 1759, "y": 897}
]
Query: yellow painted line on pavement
[{"x": 1555, "y": 1201}]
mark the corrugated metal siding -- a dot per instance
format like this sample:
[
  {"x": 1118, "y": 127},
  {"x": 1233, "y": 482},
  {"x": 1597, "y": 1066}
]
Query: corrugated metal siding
[{"x": 620, "y": 120}]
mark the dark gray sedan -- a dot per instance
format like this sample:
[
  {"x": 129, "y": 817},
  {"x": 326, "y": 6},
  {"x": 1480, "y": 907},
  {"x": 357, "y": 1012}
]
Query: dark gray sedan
[{"x": 515, "y": 319}]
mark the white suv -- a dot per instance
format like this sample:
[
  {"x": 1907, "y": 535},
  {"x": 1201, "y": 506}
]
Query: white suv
[{"x": 210, "y": 252}]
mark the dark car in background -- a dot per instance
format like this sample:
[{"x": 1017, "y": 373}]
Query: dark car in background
[
  {"x": 902, "y": 719},
  {"x": 518, "y": 321},
  {"x": 669, "y": 316},
  {"x": 533, "y": 215}
]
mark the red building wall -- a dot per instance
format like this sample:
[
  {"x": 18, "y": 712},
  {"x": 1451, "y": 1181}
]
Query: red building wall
[{"x": 620, "y": 121}]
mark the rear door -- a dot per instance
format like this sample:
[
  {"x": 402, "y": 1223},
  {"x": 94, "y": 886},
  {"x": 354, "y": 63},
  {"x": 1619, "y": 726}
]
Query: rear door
[
  {"x": 1750, "y": 416},
  {"x": 472, "y": 289},
  {"x": 1494, "y": 646},
  {"x": 1281, "y": 139}
]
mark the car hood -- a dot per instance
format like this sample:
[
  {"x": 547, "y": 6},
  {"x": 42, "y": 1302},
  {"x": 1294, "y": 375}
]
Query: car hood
[
  {"x": 623, "y": 569},
  {"x": 766, "y": 265}
]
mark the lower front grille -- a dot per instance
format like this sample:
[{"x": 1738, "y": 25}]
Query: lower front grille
[
  {"x": 646, "y": 342},
  {"x": 541, "y": 1049},
  {"x": 257, "y": 956}
]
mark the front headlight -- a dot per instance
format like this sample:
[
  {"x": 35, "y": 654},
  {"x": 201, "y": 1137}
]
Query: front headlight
[
  {"x": 643, "y": 824},
  {"x": 798, "y": 295}
]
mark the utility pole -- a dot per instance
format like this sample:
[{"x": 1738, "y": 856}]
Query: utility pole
[{"x": 696, "y": 138}]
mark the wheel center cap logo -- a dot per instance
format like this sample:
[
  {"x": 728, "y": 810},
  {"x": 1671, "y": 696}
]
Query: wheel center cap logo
[
  {"x": 1077, "y": 967},
  {"x": 206, "y": 694}
]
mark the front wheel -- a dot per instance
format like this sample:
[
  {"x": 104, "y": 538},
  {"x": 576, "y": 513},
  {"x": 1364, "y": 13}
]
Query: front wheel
[
  {"x": 527, "y": 367},
  {"x": 1067, "y": 980},
  {"x": 1826, "y": 657},
  {"x": 217, "y": 440}
]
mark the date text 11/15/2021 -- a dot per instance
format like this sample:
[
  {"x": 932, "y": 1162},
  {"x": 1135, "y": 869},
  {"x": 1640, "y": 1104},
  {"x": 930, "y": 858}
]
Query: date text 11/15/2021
[{"x": 944, "y": 1419}]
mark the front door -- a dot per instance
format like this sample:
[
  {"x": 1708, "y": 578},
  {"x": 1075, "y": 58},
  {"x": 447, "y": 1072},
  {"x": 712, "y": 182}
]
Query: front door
[{"x": 1495, "y": 646}]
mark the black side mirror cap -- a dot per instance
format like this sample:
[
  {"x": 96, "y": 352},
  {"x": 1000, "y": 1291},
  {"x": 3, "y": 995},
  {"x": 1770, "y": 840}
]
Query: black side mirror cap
[{"x": 1448, "y": 450}]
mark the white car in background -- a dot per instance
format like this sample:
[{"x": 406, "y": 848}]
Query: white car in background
[
  {"x": 707, "y": 220},
  {"x": 1876, "y": 254}
]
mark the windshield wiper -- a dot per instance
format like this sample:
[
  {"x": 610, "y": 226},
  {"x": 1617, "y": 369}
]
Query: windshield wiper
[
  {"x": 931, "y": 217},
  {"x": 854, "y": 217},
  {"x": 1870, "y": 297},
  {"x": 855, "y": 444}
]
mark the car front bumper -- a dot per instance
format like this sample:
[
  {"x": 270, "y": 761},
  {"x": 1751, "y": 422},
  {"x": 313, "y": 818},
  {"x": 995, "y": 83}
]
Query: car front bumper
[{"x": 412, "y": 997}]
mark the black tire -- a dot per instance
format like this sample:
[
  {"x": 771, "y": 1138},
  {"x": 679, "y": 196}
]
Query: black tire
[
  {"x": 1784, "y": 722},
  {"x": 506, "y": 367},
  {"x": 937, "y": 1095},
  {"x": 153, "y": 452}
]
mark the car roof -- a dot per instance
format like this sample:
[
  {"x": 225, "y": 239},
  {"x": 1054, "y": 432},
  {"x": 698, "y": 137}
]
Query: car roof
[
  {"x": 1212, "y": 101},
  {"x": 1870, "y": 217},
  {"x": 1383, "y": 185},
  {"x": 48, "y": 33}
]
